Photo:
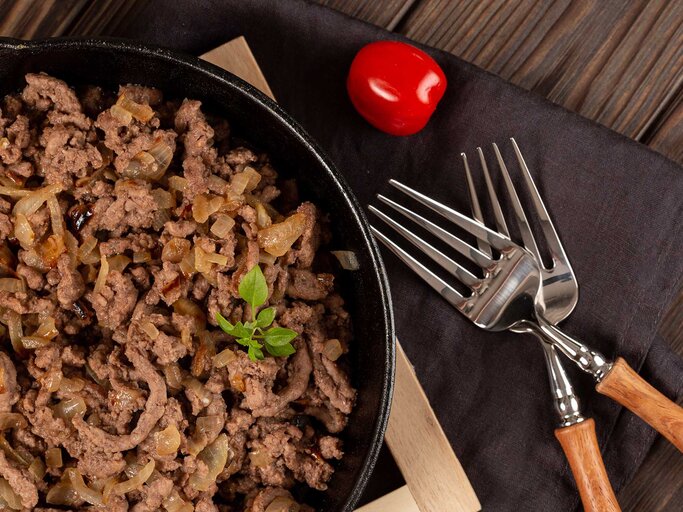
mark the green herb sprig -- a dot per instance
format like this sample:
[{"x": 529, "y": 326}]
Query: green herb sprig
[{"x": 253, "y": 290}]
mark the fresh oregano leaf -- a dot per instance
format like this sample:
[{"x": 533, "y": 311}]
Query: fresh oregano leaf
[
  {"x": 245, "y": 342},
  {"x": 253, "y": 287},
  {"x": 282, "y": 351},
  {"x": 255, "y": 354},
  {"x": 224, "y": 324},
  {"x": 240, "y": 331},
  {"x": 279, "y": 336},
  {"x": 254, "y": 290},
  {"x": 265, "y": 317}
]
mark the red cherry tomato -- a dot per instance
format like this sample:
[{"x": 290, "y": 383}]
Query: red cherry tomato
[{"x": 395, "y": 86}]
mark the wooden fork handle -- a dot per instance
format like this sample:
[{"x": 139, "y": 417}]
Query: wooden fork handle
[
  {"x": 580, "y": 445},
  {"x": 628, "y": 388}
]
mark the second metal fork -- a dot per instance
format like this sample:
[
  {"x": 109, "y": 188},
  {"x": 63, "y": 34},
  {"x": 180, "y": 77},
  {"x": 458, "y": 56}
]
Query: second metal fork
[{"x": 558, "y": 282}]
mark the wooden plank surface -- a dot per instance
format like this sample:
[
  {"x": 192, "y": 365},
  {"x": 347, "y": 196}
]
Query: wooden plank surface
[
  {"x": 101, "y": 17},
  {"x": 614, "y": 62},
  {"x": 667, "y": 135},
  {"x": 618, "y": 62},
  {"x": 30, "y": 19}
]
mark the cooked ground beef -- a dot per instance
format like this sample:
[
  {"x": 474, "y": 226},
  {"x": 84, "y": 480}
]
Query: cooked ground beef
[{"x": 126, "y": 224}]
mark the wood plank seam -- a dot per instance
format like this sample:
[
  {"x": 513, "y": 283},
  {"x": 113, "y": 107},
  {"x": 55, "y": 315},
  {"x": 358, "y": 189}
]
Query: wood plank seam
[
  {"x": 659, "y": 117},
  {"x": 402, "y": 16}
]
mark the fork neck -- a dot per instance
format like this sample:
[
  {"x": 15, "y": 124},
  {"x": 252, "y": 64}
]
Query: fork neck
[
  {"x": 566, "y": 401},
  {"x": 590, "y": 361}
]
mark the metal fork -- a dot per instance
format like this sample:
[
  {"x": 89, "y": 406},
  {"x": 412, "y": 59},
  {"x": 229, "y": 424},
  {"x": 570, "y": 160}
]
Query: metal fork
[
  {"x": 560, "y": 293},
  {"x": 509, "y": 296}
]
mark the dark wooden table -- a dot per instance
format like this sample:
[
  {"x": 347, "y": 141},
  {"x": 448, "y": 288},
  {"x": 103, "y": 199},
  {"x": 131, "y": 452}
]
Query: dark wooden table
[{"x": 618, "y": 62}]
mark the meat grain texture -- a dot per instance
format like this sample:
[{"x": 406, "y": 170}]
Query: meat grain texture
[{"x": 126, "y": 224}]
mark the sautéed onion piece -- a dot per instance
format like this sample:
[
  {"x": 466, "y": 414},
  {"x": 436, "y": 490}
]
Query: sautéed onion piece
[
  {"x": 278, "y": 238},
  {"x": 167, "y": 440},
  {"x": 53, "y": 457},
  {"x": 139, "y": 111},
  {"x": 347, "y": 259},
  {"x": 215, "y": 456},
  {"x": 10, "y": 420},
  {"x": 136, "y": 481},
  {"x": 283, "y": 504},
  {"x": 10, "y": 498},
  {"x": 12, "y": 285}
]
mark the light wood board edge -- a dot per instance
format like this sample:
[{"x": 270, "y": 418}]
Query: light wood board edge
[
  {"x": 422, "y": 451},
  {"x": 235, "y": 56},
  {"x": 400, "y": 500},
  {"x": 435, "y": 478}
]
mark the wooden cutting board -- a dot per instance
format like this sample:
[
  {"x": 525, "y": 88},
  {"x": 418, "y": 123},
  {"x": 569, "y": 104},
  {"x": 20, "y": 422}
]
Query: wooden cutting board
[{"x": 435, "y": 479}]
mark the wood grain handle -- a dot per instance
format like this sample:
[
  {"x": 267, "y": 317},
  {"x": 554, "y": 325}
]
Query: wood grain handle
[
  {"x": 628, "y": 388},
  {"x": 580, "y": 445}
]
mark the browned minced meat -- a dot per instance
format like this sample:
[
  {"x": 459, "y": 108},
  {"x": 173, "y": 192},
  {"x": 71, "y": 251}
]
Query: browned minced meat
[
  {"x": 132, "y": 347},
  {"x": 20, "y": 480},
  {"x": 9, "y": 394}
]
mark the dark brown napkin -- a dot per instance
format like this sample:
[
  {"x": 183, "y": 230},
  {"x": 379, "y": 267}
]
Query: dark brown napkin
[{"x": 618, "y": 207}]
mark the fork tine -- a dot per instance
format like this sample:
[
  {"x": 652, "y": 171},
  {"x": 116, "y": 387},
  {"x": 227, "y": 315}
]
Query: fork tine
[
  {"x": 551, "y": 237},
  {"x": 476, "y": 208},
  {"x": 453, "y": 296},
  {"x": 522, "y": 223},
  {"x": 493, "y": 197},
  {"x": 473, "y": 227},
  {"x": 454, "y": 242},
  {"x": 454, "y": 268}
]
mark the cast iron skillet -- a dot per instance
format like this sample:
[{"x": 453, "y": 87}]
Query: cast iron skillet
[{"x": 260, "y": 121}]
